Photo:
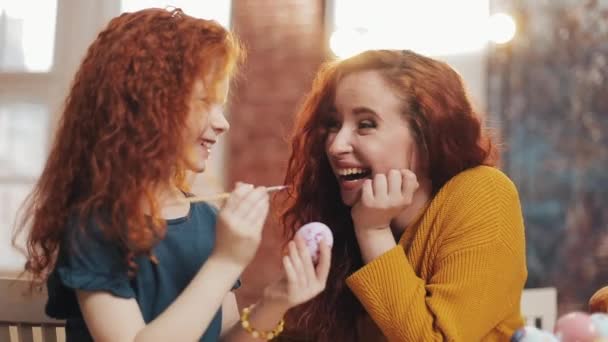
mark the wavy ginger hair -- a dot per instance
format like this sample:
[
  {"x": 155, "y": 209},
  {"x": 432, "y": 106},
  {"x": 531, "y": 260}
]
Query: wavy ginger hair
[
  {"x": 119, "y": 134},
  {"x": 449, "y": 137}
]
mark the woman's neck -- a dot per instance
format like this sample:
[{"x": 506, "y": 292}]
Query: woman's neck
[{"x": 422, "y": 196}]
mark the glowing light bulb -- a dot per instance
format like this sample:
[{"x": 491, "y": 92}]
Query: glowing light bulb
[
  {"x": 347, "y": 43},
  {"x": 501, "y": 27}
]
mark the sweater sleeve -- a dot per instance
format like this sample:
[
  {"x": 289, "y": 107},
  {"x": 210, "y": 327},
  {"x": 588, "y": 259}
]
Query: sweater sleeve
[{"x": 476, "y": 279}]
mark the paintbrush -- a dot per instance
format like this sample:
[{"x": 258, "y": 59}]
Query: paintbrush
[{"x": 218, "y": 197}]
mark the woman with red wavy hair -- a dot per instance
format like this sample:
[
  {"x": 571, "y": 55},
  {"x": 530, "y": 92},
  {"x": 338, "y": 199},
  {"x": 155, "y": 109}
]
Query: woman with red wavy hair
[
  {"x": 125, "y": 255},
  {"x": 429, "y": 238}
]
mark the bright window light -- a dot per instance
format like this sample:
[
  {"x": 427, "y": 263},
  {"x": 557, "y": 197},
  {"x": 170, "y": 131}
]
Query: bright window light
[
  {"x": 431, "y": 27},
  {"x": 24, "y": 129},
  {"x": 27, "y": 35},
  {"x": 218, "y": 10}
]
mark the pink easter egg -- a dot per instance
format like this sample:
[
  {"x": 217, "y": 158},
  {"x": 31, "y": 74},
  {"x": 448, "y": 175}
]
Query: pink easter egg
[
  {"x": 576, "y": 326},
  {"x": 312, "y": 233}
]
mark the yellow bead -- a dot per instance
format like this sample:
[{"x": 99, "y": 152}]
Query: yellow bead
[{"x": 265, "y": 335}]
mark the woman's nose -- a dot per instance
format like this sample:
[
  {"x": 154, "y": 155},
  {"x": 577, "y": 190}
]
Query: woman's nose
[{"x": 340, "y": 142}]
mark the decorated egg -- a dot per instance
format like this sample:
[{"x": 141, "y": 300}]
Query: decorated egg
[
  {"x": 312, "y": 233},
  {"x": 576, "y": 326}
]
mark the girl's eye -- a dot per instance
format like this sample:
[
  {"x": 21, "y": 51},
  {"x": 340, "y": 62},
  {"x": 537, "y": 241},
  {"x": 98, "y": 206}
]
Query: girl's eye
[{"x": 367, "y": 124}]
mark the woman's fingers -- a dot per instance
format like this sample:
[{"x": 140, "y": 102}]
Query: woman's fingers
[
  {"x": 380, "y": 186},
  {"x": 306, "y": 260},
  {"x": 395, "y": 180},
  {"x": 304, "y": 281},
  {"x": 298, "y": 266},
  {"x": 410, "y": 185},
  {"x": 367, "y": 192},
  {"x": 324, "y": 262},
  {"x": 290, "y": 271}
]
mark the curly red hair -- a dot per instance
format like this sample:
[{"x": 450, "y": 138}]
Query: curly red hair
[
  {"x": 450, "y": 139},
  {"x": 119, "y": 134}
]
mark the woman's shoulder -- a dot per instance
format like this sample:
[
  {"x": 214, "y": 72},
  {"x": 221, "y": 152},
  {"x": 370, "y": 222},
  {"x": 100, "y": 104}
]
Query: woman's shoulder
[
  {"x": 482, "y": 205},
  {"x": 482, "y": 189},
  {"x": 479, "y": 180}
]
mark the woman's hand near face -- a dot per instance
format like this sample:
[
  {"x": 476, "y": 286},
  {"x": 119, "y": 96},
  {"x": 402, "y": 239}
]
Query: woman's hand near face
[{"x": 383, "y": 198}]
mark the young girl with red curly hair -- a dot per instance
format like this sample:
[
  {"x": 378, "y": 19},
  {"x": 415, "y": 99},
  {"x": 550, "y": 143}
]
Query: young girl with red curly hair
[
  {"x": 428, "y": 234},
  {"x": 125, "y": 255}
]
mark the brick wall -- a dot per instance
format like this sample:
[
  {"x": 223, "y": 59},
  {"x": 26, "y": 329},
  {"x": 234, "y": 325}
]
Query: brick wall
[{"x": 286, "y": 44}]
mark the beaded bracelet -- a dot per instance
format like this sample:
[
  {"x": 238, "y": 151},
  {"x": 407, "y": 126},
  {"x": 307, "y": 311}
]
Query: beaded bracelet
[{"x": 264, "y": 335}]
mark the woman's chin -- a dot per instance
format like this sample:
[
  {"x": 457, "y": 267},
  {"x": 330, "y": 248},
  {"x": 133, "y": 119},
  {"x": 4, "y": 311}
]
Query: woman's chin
[{"x": 349, "y": 198}]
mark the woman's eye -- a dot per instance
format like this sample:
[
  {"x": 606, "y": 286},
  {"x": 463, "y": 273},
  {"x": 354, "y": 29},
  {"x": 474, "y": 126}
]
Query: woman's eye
[
  {"x": 367, "y": 124},
  {"x": 332, "y": 125}
]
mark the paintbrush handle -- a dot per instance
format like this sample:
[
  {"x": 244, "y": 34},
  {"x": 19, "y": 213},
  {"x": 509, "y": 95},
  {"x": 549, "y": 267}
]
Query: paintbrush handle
[{"x": 224, "y": 195}]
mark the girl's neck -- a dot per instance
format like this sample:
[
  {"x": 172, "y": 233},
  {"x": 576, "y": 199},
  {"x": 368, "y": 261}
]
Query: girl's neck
[{"x": 172, "y": 202}]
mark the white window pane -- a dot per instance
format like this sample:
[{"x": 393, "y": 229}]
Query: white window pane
[
  {"x": 27, "y": 35},
  {"x": 457, "y": 27},
  {"x": 218, "y": 10},
  {"x": 23, "y": 139},
  {"x": 11, "y": 197}
]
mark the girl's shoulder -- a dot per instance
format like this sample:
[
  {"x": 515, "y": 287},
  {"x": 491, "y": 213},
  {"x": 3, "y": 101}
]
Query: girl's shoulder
[
  {"x": 204, "y": 208},
  {"x": 201, "y": 214}
]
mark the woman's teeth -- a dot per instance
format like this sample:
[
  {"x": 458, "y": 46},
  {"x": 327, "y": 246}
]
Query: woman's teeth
[
  {"x": 353, "y": 173},
  {"x": 350, "y": 171}
]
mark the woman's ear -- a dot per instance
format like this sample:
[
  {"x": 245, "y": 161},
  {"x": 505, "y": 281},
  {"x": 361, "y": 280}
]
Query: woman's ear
[{"x": 599, "y": 301}]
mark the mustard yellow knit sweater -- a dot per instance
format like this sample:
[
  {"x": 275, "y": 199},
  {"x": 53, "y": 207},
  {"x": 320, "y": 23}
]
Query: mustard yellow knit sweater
[{"x": 457, "y": 273}]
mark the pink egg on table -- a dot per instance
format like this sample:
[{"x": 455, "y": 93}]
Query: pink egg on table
[
  {"x": 576, "y": 326},
  {"x": 312, "y": 233}
]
